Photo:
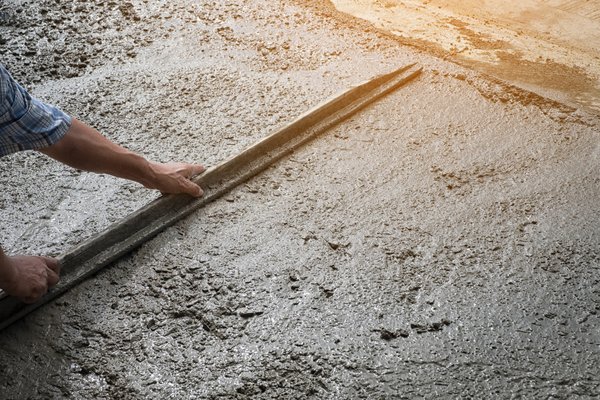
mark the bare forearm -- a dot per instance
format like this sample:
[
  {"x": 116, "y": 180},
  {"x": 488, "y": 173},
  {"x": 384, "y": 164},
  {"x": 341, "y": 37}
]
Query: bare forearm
[{"x": 85, "y": 148}]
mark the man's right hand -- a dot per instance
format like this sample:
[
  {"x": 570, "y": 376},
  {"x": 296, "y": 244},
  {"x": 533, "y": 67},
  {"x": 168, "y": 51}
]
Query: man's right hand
[{"x": 28, "y": 278}]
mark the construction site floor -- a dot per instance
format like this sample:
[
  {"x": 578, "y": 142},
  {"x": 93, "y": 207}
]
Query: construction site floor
[{"x": 444, "y": 243}]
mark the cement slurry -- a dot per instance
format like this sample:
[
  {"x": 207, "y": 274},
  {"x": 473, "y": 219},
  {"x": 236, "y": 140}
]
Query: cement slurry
[{"x": 443, "y": 243}]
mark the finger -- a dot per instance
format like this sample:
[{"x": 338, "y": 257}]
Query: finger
[
  {"x": 36, "y": 293},
  {"x": 29, "y": 300},
  {"x": 52, "y": 263},
  {"x": 191, "y": 188},
  {"x": 192, "y": 169},
  {"x": 52, "y": 278}
]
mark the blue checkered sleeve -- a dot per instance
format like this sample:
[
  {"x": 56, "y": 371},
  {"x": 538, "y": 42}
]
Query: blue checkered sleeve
[{"x": 25, "y": 122}]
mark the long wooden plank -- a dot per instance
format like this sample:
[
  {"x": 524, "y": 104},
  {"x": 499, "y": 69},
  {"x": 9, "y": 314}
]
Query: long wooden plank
[{"x": 124, "y": 236}]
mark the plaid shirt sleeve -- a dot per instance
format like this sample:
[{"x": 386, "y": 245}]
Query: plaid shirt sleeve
[{"x": 25, "y": 122}]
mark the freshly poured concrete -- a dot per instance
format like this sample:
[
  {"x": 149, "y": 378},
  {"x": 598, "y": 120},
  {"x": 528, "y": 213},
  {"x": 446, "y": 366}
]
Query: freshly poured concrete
[{"x": 443, "y": 243}]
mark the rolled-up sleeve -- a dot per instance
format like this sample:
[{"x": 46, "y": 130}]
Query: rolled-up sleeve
[{"x": 26, "y": 123}]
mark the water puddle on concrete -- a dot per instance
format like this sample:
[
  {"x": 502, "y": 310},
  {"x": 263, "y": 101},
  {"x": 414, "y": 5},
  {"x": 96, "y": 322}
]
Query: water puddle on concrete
[{"x": 548, "y": 46}]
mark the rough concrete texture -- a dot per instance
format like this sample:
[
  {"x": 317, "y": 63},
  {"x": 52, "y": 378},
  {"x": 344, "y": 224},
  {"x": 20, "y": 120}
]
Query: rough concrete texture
[{"x": 443, "y": 243}]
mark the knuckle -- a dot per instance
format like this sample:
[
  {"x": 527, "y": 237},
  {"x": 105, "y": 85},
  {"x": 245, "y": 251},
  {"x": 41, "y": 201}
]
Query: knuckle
[{"x": 39, "y": 290}]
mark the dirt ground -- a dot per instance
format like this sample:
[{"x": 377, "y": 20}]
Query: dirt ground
[{"x": 444, "y": 243}]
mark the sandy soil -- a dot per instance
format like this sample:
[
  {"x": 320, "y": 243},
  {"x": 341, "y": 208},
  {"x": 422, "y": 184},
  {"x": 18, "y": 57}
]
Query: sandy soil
[{"x": 443, "y": 243}]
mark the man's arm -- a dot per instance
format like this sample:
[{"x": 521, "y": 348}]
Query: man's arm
[
  {"x": 30, "y": 124},
  {"x": 29, "y": 277},
  {"x": 85, "y": 148}
]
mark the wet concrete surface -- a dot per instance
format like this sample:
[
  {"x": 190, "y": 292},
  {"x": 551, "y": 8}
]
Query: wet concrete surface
[{"x": 443, "y": 243}]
